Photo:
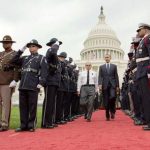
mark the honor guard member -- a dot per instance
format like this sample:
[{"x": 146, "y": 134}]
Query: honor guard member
[
  {"x": 143, "y": 69},
  {"x": 53, "y": 82},
  {"x": 87, "y": 86},
  {"x": 68, "y": 100},
  {"x": 137, "y": 104},
  {"x": 33, "y": 77},
  {"x": 61, "y": 90},
  {"x": 8, "y": 81}
]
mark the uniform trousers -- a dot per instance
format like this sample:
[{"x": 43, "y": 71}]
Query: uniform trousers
[
  {"x": 144, "y": 88},
  {"x": 5, "y": 104},
  {"x": 49, "y": 106},
  {"x": 59, "y": 106},
  {"x": 28, "y": 108}
]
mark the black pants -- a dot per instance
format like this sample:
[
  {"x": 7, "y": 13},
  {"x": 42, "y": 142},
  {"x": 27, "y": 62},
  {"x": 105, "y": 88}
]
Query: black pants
[
  {"x": 75, "y": 105},
  {"x": 145, "y": 96},
  {"x": 109, "y": 96},
  {"x": 28, "y": 108},
  {"x": 49, "y": 106},
  {"x": 136, "y": 101},
  {"x": 59, "y": 106},
  {"x": 67, "y": 103}
]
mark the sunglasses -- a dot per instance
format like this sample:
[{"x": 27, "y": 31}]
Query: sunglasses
[{"x": 88, "y": 65}]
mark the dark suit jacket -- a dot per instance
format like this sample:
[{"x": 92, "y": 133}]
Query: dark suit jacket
[{"x": 105, "y": 78}]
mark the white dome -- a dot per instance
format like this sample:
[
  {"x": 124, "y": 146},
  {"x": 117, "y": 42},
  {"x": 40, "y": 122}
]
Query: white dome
[{"x": 102, "y": 38}]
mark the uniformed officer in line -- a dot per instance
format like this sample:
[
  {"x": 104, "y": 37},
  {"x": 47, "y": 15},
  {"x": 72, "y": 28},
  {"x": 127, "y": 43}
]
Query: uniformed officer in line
[
  {"x": 33, "y": 77},
  {"x": 75, "y": 102},
  {"x": 143, "y": 69},
  {"x": 124, "y": 92},
  {"x": 137, "y": 104},
  {"x": 8, "y": 80},
  {"x": 53, "y": 82},
  {"x": 62, "y": 89},
  {"x": 68, "y": 100}
]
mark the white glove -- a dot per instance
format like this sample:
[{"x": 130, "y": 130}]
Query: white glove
[
  {"x": 39, "y": 86},
  {"x": 56, "y": 43},
  {"x": 23, "y": 49},
  {"x": 13, "y": 84}
]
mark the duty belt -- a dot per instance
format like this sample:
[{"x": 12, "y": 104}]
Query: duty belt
[
  {"x": 29, "y": 70},
  {"x": 142, "y": 59}
]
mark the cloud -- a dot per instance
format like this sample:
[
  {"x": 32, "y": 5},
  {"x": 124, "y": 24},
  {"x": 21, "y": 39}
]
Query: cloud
[{"x": 69, "y": 21}]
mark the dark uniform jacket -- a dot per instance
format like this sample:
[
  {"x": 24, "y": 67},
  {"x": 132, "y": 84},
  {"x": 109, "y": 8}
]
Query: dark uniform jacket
[
  {"x": 105, "y": 78},
  {"x": 143, "y": 51},
  {"x": 64, "y": 84},
  {"x": 54, "y": 70},
  {"x": 33, "y": 70}
]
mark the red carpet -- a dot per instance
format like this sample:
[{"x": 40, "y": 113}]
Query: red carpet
[{"x": 99, "y": 134}]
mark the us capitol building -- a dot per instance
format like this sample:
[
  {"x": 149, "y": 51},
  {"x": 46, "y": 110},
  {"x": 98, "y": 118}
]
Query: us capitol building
[{"x": 102, "y": 40}]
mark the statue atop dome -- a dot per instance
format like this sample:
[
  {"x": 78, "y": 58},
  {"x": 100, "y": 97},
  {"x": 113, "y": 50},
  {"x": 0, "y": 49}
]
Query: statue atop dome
[
  {"x": 101, "y": 10},
  {"x": 101, "y": 16}
]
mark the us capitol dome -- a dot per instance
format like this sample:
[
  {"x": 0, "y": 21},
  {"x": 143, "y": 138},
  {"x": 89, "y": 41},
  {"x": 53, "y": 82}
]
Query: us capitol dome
[{"x": 102, "y": 40}]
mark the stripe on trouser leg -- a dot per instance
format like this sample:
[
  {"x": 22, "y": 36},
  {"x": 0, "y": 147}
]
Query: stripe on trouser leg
[{"x": 45, "y": 105}]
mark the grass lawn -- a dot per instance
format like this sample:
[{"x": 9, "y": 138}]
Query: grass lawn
[{"x": 15, "y": 118}]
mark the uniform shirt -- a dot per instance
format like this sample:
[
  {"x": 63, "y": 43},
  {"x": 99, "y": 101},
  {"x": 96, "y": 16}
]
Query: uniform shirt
[
  {"x": 82, "y": 79},
  {"x": 6, "y": 76}
]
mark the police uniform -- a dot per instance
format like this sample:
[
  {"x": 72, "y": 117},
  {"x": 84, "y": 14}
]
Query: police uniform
[
  {"x": 143, "y": 71},
  {"x": 53, "y": 82},
  {"x": 33, "y": 73},
  {"x": 63, "y": 88},
  {"x": 8, "y": 73}
]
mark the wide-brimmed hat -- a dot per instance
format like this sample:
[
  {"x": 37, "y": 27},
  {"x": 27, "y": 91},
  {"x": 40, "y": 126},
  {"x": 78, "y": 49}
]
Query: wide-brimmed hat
[
  {"x": 7, "y": 38},
  {"x": 34, "y": 42},
  {"x": 143, "y": 26},
  {"x": 135, "y": 40},
  {"x": 63, "y": 54},
  {"x": 52, "y": 41}
]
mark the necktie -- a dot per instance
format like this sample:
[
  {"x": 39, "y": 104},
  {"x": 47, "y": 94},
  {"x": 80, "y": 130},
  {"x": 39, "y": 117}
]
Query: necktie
[
  {"x": 107, "y": 67},
  {"x": 87, "y": 78}
]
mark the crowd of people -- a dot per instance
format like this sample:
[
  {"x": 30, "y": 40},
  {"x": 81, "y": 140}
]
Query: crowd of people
[
  {"x": 68, "y": 92},
  {"x": 135, "y": 91}
]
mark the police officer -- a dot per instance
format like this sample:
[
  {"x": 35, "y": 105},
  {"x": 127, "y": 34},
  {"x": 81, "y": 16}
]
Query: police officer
[
  {"x": 143, "y": 69},
  {"x": 33, "y": 77},
  {"x": 62, "y": 89},
  {"x": 8, "y": 80},
  {"x": 53, "y": 82}
]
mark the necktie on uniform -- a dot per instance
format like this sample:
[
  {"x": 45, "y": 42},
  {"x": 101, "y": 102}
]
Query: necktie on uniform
[{"x": 87, "y": 78}]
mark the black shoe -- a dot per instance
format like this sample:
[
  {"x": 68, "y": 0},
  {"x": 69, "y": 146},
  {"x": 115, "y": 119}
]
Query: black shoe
[
  {"x": 88, "y": 120},
  {"x": 63, "y": 122},
  {"x": 107, "y": 119},
  {"x": 138, "y": 123},
  {"x": 20, "y": 130},
  {"x": 112, "y": 116},
  {"x": 3, "y": 128},
  {"x": 70, "y": 119},
  {"x": 146, "y": 128},
  {"x": 55, "y": 125},
  {"x": 85, "y": 116},
  {"x": 49, "y": 127},
  {"x": 31, "y": 130}
]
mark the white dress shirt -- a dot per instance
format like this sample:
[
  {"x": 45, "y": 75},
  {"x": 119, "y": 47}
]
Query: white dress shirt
[{"x": 82, "y": 79}]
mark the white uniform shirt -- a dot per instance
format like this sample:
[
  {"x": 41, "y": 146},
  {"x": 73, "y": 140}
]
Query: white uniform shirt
[{"x": 82, "y": 79}]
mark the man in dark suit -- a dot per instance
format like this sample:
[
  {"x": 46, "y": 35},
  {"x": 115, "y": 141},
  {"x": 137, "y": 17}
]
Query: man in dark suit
[{"x": 109, "y": 85}]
